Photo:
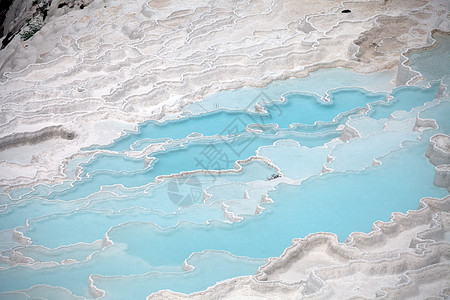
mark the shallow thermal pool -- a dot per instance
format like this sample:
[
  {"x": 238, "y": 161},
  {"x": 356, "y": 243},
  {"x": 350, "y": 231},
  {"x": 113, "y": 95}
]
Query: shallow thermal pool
[{"x": 188, "y": 202}]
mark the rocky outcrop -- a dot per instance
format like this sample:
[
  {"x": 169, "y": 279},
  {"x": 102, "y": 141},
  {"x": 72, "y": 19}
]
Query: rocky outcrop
[
  {"x": 28, "y": 16},
  {"x": 442, "y": 176},
  {"x": 422, "y": 124},
  {"x": 439, "y": 154},
  {"x": 439, "y": 150},
  {"x": 31, "y": 138},
  {"x": 349, "y": 133}
]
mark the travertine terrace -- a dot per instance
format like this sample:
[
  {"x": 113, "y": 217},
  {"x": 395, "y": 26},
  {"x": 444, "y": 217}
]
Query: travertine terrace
[
  {"x": 104, "y": 68},
  {"x": 98, "y": 68}
]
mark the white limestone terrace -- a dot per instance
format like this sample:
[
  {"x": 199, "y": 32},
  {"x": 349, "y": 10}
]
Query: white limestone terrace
[
  {"x": 405, "y": 258},
  {"x": 103, "y": 69},
  {"x": 89, "y": 74},
  {"x": 439, "y": 154}
]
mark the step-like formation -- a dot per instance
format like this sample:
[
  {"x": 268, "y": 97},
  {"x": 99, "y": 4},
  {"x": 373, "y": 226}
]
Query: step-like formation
[
  {"x": 405, "y": 258},
  {"x": 439, "y": 154},
  {"x": 72, "y": 87},
  {"x": 103, "y": 68}
]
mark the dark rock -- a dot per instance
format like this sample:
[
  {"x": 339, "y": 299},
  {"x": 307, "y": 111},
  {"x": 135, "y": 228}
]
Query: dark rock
[
  {"x": 4, "y": 7},
  {"x": 36, "y": 137},
  {"x": 7, "y": 39}
]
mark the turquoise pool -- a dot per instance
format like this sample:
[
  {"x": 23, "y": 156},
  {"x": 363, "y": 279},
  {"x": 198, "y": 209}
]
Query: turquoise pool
[{"x": 193, "y": 191}]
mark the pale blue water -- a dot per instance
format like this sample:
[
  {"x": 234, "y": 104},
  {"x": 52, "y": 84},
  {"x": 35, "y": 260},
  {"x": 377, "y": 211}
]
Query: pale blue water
[
  {"x": 302, "y": 108},
  {"x": 350, "y": 202},
  {"x": 426, "y": 63},
  {"x": 143, "y": 285},
  {"x": 405, "y": 98},
  {"x": 299, "y": 107},
  {"x": 318, "y": 83},
  {"x": 153, "y": 236}
]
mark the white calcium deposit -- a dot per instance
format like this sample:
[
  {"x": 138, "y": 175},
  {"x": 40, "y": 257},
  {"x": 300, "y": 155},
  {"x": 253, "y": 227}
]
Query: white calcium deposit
[{"x": 88, "y": 74}]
